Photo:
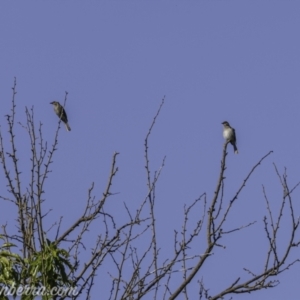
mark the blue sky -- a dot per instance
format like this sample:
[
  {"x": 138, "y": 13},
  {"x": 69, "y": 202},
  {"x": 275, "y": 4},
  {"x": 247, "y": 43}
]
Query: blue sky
[{"x": 212, "y": 60}]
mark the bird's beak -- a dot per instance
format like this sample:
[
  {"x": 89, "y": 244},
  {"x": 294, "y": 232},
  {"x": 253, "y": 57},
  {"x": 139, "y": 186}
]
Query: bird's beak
[{"x": 51, "y": 102}]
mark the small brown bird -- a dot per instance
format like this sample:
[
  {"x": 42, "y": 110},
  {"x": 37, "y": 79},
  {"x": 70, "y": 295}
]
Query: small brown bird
[
  {"x": 61, "y": 113},
  {"x": 229, "y": 135}
]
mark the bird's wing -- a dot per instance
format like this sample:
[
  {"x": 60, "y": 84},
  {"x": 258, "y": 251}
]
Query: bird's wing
[{"x": 234, "y": 135}]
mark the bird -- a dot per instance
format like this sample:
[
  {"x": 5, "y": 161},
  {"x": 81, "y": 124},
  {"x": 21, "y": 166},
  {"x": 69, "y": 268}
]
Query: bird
[
  {"x": 61, "y": 113},
  {"x": 229, "y": 135}
]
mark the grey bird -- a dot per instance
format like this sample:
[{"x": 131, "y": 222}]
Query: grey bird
[
  {"x": 229, "y": 135},
  {"x": 61, "y": 113}
]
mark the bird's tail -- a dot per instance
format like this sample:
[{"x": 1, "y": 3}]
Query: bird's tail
[
  {"x": 68, "y": 127},
  {"x": 235, "y": 149}
]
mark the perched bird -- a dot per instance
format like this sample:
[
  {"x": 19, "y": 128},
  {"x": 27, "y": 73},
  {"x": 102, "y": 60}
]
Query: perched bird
[
  {"x": 229, "y": 135},
  {"x": 60, "y": 111}
]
